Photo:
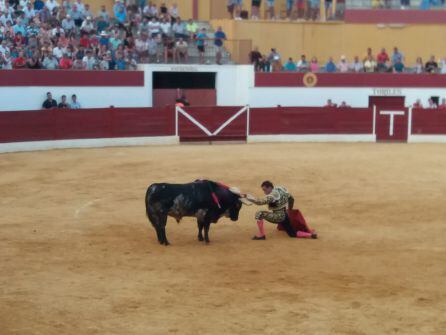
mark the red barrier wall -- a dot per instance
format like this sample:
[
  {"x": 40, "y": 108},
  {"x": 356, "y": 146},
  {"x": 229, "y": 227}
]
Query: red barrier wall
[
  {"x": 86, "y": 124},
  {"x": 70, "y": 78},
  {"x": 311, "y": 120},
  {"x": 429, "y": 122},
  {"x": 394, "y": 16},
  {"x": 212, "y": 119},
  {"x": 287, "y": 79}
]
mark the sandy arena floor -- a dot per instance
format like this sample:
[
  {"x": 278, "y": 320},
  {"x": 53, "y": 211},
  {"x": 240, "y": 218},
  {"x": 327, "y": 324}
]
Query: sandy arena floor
[{"x": 78, "y": 255}]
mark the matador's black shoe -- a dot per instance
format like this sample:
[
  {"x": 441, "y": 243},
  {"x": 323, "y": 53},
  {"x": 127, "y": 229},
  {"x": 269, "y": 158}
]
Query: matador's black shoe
[
  {"x": 256, "y": 238},
  {"x": 314, "y": 236}
]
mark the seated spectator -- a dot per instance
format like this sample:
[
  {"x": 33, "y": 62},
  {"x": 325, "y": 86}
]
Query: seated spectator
[
  {"x": 165, "y": 27},
  {"x": 442, "y": 104},
  {"x": 179, "y": 29},
  {"x": 290, "y": 66},
  {"x": 89, "y": 60},
  {"x": 431, "y": 104},
  {"x": 49, "y": 103},
  {"x": 398, "y": 67},
  {"x": 181, "y": 48},
  {"x": 50, "y": 62},
  {"x": 255, "y": 9},
  {"x": 275, "y": 60},
  {"x": 382, "y": 59},
  {"x": 419, "y": 66},
  {"x": 87, "y": 27},
  {"x": 356, "y": 65},
  {"x": 330, "y": 67},
  {"x": 169, "y": 49},
  {"x": 142, "y": 47},
  {"x": 270, "y": 9},
  {"x": 74, "y": 104},
  {"x": 20, "y": 61},
  {"x": 302, "y": 64},
  {"x": 63, "y": 104},
  {"x": 154, "y": 27},
  {"x": 431, "y": 65},
  {"x": 343, "y": 65},
  {"x": 65, "y": 62},
  {"x": 153, "y": 50},
  {"x": 417, "y": 104},
  {"x": 120, "y": 12},
  {"x": 191, "y": 29},
  {"x": 344, "y": 105},
  {"x": 369, "y": 64},
  {"x": 34, "y": 61},
  {"x": 314, "y": 65},
  {"x": 368, "y": 55}
]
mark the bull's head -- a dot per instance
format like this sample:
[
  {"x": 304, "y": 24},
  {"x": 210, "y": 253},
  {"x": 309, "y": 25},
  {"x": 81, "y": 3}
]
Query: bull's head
[{"x": 234, "y": 210}]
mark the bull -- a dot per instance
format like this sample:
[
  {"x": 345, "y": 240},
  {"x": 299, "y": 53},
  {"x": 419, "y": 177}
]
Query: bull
[{"x": 206, "y": 200}]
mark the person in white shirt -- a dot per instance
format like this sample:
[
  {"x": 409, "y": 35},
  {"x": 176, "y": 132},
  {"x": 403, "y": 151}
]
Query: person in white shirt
[
  {"x": 57, "y": 31},
  {"x": 6, "y": 61},
  {"x": 442, "y": 66},
  {"x": 59, "y": 51},
  {"x": 343, "y": 65},
  {"x": 88, "y": 60},
  {"x": 154, "y": 27},
  {"x": 80, "y": 6},
  {"x": 4, "y": 47},
  {"x": 51, "y": 4},
  {"x": 165, "y": 27},
  {"x": 50, "y": 62},
  {"x": 29, "y": 11},
  {"x": 68, "y": 23},
  {"x": 74, "y": 104},
  {"x": 174, "y": 12},
  {"x": 87, "y": 26},
  {"x": 356, "y": 65}
]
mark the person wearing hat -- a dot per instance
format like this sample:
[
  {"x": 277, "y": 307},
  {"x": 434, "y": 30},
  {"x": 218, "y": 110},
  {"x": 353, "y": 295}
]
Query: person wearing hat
[
  {"x": 278, "y": 199},
  {"x": 343, "y": 66},
  {"x": 68, "y": 24},
  {"x": 87, "y": 26}
]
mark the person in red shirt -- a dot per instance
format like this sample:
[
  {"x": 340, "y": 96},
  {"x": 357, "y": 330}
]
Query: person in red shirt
[
  {"x": 19, "y": 40},
  {"x": 20, "y": 61},
  {"x": 381, "y": 60},
  {"x": 85, "y": 41},
  {"x": 65, "y": 62}
]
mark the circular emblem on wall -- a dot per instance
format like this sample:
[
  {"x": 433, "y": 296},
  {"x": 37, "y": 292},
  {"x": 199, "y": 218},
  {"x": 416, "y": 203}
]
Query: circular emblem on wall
[{"x": 310, "y": 79}]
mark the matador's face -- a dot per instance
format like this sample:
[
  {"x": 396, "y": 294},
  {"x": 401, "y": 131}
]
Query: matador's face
[{"x": 267, "y": 190}]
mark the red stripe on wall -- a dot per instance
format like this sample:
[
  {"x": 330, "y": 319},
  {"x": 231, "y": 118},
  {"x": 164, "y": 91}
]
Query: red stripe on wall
[
  {"x": 70, "y": 78},
  {"x": 428, "y": 122},
  {"x": 86, "y": 124},
  {"x": 310, "y": 120},
  {"x": 281, "y": 79},
  {"x": 394, "y": 16}
]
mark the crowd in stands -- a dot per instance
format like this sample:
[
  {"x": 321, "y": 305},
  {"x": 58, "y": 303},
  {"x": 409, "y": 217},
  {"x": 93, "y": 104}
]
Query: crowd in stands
[
  {"x": 51, "y": 103},
  {"x": 68, "y": 35},
  {"x": 423, "y": 4},
  {"x": 295, "y": 9},
  {"x": 382, "y": 62}
]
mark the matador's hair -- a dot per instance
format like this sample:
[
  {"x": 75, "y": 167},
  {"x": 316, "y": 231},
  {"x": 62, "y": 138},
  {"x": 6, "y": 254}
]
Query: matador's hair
[{"x": 268, "y": 184}]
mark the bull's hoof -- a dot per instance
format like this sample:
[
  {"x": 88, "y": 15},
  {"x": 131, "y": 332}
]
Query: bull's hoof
[
  {"x": 207, "y": 241},
  {"x": 200, "y": 238}
]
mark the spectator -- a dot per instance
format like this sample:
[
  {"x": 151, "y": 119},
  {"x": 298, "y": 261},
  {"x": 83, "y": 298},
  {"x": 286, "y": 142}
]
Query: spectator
[
  {"x": 432, "y": 104},
  {"x": 34, "y": 61},
  {"x": 89, "y": 60},
  {"x": 289, "y": 8},
  {"x": 398, "y": 67},
  {"x": 174, "y": 12},
  {"x": 219, "y": 38},
  {"x": 330, "y": 67},
  {"x": 74, "y": 104},
  {"x": 200, "y": 41},
  {"x": 313, "y": 9},
  {"x": 49, "y": 103},
  {"x": 270, "y": 9},
  {"x": 314, "y": 65},
  {"x": 417, "y": 104},
  {"x": 179, "y": 29},
  {"x": 330, "y": 104},
  {"x": 59, "y": 51},
  {"x": 6, "y": 61},
  {"x": 369, "y": 54},
  {"x": 63, "y": 103},
  {"x": 191, "y": 28},
  {"x": 370, "y": 64},
  {"x": 301, "y": 5},
  {"x": 303, "y": 65},
  {"x": 66, "y": 62},
  {"x": 290, "y": 66},
  {"x": 443, "y": 104},
  {"x": 356, "y": 65},
  {"x": 169, "y": 49},
  {"x": 152, "y": 46},
  {"x": 397, "y": 55},
  {"x": 343, "y": 65},
  {"x": 431, "y": 65},
  {"x": 344, "y": 105},
  {"x": 274, "y": 59},
  {"x": 443, "y": 66},
  {"x": 50, "y": 62},
  {"x": 182, "y": 50},
  {"x": 382, "y": 60},
  {"x": 255, "y": 9},
  {"x": 255, "y": 56},
  {"x": 419, "y": 66},
  {"x": 20, "y": 61}
]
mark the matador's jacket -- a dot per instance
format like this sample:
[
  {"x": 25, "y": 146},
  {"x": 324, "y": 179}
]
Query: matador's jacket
[{"x": 277, "y": 202}]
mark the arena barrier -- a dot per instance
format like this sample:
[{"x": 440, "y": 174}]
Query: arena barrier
[{"x": 52, "y": 129}]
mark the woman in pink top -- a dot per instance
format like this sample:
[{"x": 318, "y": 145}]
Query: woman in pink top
[{"x": 314, "y": 66}]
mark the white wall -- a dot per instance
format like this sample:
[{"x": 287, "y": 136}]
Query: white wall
[{"x": 356, "y": 97}]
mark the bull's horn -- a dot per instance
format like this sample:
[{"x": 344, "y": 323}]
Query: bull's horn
[
  {"x": 246, "y": 201},
  {"x": 235, "y": 190}
]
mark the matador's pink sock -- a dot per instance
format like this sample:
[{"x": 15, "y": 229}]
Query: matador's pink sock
[
  {"x": 261, "y": 229},
  {"x": 302, "y": 234}
]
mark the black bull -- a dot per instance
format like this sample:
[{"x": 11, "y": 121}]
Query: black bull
[{"x": 206, "y": 200}]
